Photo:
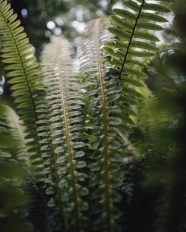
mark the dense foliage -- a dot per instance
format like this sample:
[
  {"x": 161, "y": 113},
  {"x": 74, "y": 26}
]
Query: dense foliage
[{"x": 95, "y": 147}]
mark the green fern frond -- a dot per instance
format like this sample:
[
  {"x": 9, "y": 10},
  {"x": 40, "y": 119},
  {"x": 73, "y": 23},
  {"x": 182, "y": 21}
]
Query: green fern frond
[
  {"x": 133, "y": 27},
  {"x": 129, "y": 25},
  {"x": 66, "y": 132},
  {"x": 17, "y": 131},
  {"x": 102, "y": 119},
  {"x": 23, "y": 76},
  {"x": 14, "y": 169},
  {"x": 153, "y": 120}
]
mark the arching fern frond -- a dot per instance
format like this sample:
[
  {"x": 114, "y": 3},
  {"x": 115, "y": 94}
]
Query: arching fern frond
[
  {"x": 134, "y": 40},
  {"x": 23, "y": 76},
  {"x": 14, "y": 166},
  {"x": 105, "y": 145},
  {"x": 154, "y": 121},
  {"x": 66, "y": 132},
  {"x": 17, "y": 132}
]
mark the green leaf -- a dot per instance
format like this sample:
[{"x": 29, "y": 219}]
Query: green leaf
[
  {"x": 126, "y": 128},
  {"x": 79, "y": 154},
  {"x": 156, "y": 7},
  {"x": 118, "y": 32},
  {"x": 132, "y": 5},
  {"x": 116, "y": 44},
  {"x": 152, "y": 17},
  {"x": 141, "y": 64},
  {"x": 132, "y": 81},
  {"x": 114, "y": 90},
  {"x": 128, "y": 110},
  {"x": 80, "y": 164},
  {"x": 92, "y": 92},
  {"x": 132, "y": 92},
  {"x": 144, "y": 45},
  {"x": 114, "y": 121},
  {"x": 140, "y": 53},
  {"x": 145, "y": 36},
  {"x": 121, "y": 23},
  {"x": 134, "y": 72},
  {"x": 125, "y": 14},
  {"x": 149, "y": 26},
  {"x": 110, "y": 51},
  {"x": 129, "y": 100}
]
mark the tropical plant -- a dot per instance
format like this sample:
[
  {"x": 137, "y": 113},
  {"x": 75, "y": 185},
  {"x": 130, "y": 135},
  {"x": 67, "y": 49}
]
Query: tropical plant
[{"x": 75, "y": 123}]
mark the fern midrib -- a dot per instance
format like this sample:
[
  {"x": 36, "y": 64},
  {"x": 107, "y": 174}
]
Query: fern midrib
[
  {"x": 105, "y": 131},
  {"x": 67, "y": 133},
  {"x": 24, "y": 71},
  {"x": 130, "y": 41}
]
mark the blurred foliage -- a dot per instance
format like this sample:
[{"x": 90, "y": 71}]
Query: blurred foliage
[
  {"x": 154, "y": 186},
  {"x": 14, "y": 199},
  {"x": 67, "y": 17}
]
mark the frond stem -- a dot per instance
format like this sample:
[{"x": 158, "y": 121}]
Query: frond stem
[
  {"x": 69, "y": 149},
  {"x": 131, "y": 37}
]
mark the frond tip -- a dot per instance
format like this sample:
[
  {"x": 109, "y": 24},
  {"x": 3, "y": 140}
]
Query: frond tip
[{"x": 132, "y": 26}]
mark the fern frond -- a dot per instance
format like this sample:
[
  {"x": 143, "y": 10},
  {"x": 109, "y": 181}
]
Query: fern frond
[
  {"x": 23, "y": 76},
  {"x": 153, "y": 120},
  {"x": 102, "y": 117},
  {"x": 129, "y": 25},
  {"x": 66, "y": 131},
  {"x": 14, "y": 168},
  {"x": 17, "y": 131},
  {"x": 133, "y": 27}
]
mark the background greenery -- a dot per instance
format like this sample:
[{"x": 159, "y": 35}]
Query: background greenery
[
  {"x": 153, "y": 191},
  {"x": 65, "y": 14}
]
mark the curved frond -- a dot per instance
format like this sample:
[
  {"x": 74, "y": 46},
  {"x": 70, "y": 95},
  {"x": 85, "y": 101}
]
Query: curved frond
[
  {"x": 152, "y": 125},
  {"x": 102, "y": 119},
  {"x": 23, "y": 76},
  {"x": 17, "y": 132},
  {"x": 14, "y": 166},
  {"x": 134, "y": 40},
  {"x": 66, "y": 132}
]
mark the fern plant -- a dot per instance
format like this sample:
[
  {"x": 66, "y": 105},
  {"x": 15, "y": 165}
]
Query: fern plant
[
  {"x": 75, "y": 121},
  {"x": 18, "y": 56}
]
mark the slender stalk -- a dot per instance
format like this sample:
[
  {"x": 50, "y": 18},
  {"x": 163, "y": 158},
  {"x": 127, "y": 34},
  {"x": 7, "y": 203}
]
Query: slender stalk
[{"x": 67, "y": 134}]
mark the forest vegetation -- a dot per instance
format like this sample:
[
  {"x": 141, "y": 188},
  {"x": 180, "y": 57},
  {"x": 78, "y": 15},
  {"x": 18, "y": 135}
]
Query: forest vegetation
[{"x": 92, "y": 122}]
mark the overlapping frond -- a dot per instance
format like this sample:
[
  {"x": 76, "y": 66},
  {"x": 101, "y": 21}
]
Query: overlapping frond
[
  {"x": 13, "y": 172},
  {"x": 154, "y": 120},
  {"x": 23, "y": 75},
  {"x": 133, "y": 28},
  {"x": 66, "y": 132},
  {"x": 16, "y": 129},
  {"x": 105, "y": 145}
]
